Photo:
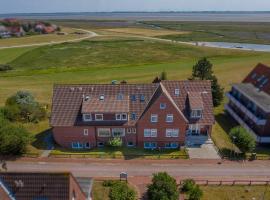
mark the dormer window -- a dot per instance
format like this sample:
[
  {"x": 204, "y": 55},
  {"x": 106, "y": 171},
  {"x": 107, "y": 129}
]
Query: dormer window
[
  {"x": 142, "y": 98},
  {"x": 120, "y": 96},
  {"x": 87, "y": 117},
  {"x": 121, "y": 117},
  {"x": 87, "y": 98},
  {"x": 99, "y": 117},
  {"x": 196, "y": 114},
  {"x": 177, "y": 92},
  {"x": 133, "y": 97},
  {"x": 124, "y": 117},
  {"x": 133, "y": 116},
  {"x": 101, "y": 97},
  {"x": 162, "y": 106}
]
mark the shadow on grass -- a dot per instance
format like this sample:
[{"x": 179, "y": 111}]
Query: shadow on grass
[
  {"x": 42, "y": 140},
  {"x": 225, "y": 121}
]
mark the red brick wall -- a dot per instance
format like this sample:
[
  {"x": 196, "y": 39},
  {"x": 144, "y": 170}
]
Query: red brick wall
[
  {"x": 74, "y": 187},
  {"x": 65, "y": 135},
  {"x": 161, "y": 139},
  {"x": 3, "y": 194}
]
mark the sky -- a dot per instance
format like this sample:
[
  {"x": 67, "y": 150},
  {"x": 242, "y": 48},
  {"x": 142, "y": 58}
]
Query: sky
[{"x": 45, "y": 6}]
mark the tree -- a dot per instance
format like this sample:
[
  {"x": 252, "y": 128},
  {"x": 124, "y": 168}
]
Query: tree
[
  {"x": 13, "y": 139},
  {"x": 121, "y": 191},
  {"x": 23, "y": 107},
  {"x": 115, "y": 142},
  {"x": 188, "y": 185},
  {"x": 163, "y": 187},
  {"x": 195, "y": 193},
  {"x": 242, "y": 139},
  {"x": 202, "y": 70},
  {"x": 163, "y": 75}
]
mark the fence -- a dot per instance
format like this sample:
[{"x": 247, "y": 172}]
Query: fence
[{"x": 231, "y": 182}]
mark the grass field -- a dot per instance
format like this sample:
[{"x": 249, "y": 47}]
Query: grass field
[
  {"x": 242, "y": 32},
  {"x": 44, "y": 38},
  {"x": 100, "y": 192},
  {"x": 235, "y": 192}
]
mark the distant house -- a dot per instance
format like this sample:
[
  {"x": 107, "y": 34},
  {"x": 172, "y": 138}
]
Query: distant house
[
  {"x": 150, "y": 116},
  {"x": 44, "y": 186},
  {"x": 249, "y": 103},
  {"x": 11, "y": 20},
  {"x": 16, "y": 31},
  {"x": 4, "y": 33}
]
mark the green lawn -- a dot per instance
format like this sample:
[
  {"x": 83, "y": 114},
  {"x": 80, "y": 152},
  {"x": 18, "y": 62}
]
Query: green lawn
[
  {"x": 124, "y": 152},
  {"x": 100, "y": 192},
  {"x": 235, "y": 192},
  {"x": 243, "y": 32}
]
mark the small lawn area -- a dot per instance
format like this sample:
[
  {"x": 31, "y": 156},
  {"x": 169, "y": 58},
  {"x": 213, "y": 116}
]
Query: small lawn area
[
  {"x": 100, "y": 192},
  {"x": 123, "y": 152},
  {"x": 235, "y": 192}
]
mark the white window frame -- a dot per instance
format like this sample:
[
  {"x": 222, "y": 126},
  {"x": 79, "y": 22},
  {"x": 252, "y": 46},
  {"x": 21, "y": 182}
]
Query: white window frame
[
  {"x": 172, "y": 132},
  {"x": 195, "y": 127},
  {"x": 154, "y": 118},
  {"x": 150, "y": 133},
  {"x": 98, "y": 119},
  {"x": 194, "y": 113},
  {"x": 162, "y": 106},
  {"x": 85, "y": 132},
  {"x": 121, "y": 117},
  {"x": 168, "y": 116},
  {"x": 124, "y": 118},
  {"x": 104, "y": 129},
  {"x": 133, "y": 130},
  {"x": 118, "y": 117},
  {"x": 89, "y": 119},
  {"x": 102, "y": 97},
  {"x": 123, "y": 132},
  {"x": 177, "y": 92}
]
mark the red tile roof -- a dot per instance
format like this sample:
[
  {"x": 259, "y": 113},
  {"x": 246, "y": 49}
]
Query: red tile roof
[
  {"x": 195, "y": 100},
  {"x": 68, "y": 100}
]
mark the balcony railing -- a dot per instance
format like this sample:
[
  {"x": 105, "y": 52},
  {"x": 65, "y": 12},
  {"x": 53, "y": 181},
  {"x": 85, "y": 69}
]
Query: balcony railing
[{"x": 244, "y": 109}]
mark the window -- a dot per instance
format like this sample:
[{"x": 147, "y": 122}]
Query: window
[
  {"x": 169, "y": 118},
  {"x": 101, "y": 97},
  {"x": 133, "y": 116},
  {"x": 253, "y": 75},
  {"x": 196, "y": 113},
  {"x": 87, "y": 145},
  {"x": 120, "y": 96},
  {"x": 150, "y": 145},
  {"x": 130, "y": 144},
  {"x": 101, "y": 144},
  {"x": 177, "y": 92},
  {"x": 87, "y": 117},
  {"x": 154, "y": 118},
  {"x": 133, "y": 97},
  {"x": 150, "y": 132},
  {"x": 104, "y": 132},
  {"x": 162, "y": 106},
  {"x": 194, "y": 129},
  {"x": 76, "y": 145},
  {"x": 118, "y": 117},
  {"x": 118, "y": 132},
  {"x": 85, "y": 131},
  {"x": 172, "y": 145},
  {"x": 172, "y": 132},
  {"x": 142, "y": 98},
  {"x": 131, "y": 130},
  {"x": 99, "y": 117},
  {"x": 124, "y": 117}
]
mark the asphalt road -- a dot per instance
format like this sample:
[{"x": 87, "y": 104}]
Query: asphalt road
[{"x": 112, "y": 169}]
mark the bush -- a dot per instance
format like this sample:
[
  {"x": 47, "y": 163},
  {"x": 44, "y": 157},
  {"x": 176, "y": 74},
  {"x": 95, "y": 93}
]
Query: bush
[
  {"x": 13, "y": 139},
  {"x": 242, "y": 139},
  {"x": 115, "y": 142},
  {"x": 163, "y": 187},
  {"x": 23, "y": 107},
  {"x": 119, "y": 190},
  {"x": 4, "y": 68},
  {"x": 196, "y": 193},
  {"x": 188, "y": 185}
]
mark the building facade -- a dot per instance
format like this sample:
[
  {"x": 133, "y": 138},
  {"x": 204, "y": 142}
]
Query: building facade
[
  {"x": 156, "y": 115},
  {"x": 249, "y": 103}
]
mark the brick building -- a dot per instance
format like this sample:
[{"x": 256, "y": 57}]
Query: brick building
[
  {"x": 156, "y": 115},
  {"x": 249, "y": 103}
]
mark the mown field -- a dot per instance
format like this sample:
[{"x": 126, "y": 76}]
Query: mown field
[
  {"x": 112, "y": 58},
  {"x": 243, "y": 32}
]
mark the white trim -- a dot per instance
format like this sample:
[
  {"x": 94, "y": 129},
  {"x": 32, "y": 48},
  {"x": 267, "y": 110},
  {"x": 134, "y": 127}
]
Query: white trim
[
  {"x": 150, "y": 133},
  {"x": 169, "y": 116},
  {"x": 85, "y": 119},
  {"x": 104, "y": 129},
  {"x": 162, "y": 106},
  {"x": 7, "y": 191},
  {"x": 154, "y": 118},
  {"x": 98, "y": 119},
  {"x": 172, "y": 132},
  {"x": 117, "y": 130},
  {"x": 85, "y": 132}
]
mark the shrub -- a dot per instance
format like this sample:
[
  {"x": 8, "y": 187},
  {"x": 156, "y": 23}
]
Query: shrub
[
  {"x": 4, "y": 68},
  {"x": 242, "y": 139},
  {"x": 115, "y": 142},
  {"x": 23, "y": 107},
  {"x": 163, "y": 187},
  {"x": 188, "y": 185},
  {"x": 196, "y": 193},
  {"x": 13, "y": 139},
  {"x": 121, "y": 191}
]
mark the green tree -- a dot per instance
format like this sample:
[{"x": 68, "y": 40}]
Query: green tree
[
  {"x": 163, "y": 75},
  {"x": 195, "y": 193},
  {"x": 121, "y": 191},
  {"x": 242, "y": 139},
  {"x": 202, "y": 70},
  {"x": 188, "y": 185},
  {"x": 163, "y": 187},
  {"x": 13, "y": 139}
]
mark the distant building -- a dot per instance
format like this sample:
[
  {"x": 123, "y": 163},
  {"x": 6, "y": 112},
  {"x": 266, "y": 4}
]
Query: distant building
[
  {"x": 150, "y": 116},
  {"x": 249, "y": 103},
  {"x": 44, "y": 186}
]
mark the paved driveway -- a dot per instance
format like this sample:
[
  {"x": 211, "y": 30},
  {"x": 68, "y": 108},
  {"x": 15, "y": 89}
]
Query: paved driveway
[{"x": 205, "y": 151}]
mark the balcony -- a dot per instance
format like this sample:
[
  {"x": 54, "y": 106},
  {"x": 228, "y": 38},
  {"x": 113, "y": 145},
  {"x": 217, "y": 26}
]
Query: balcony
[{"x": 243, "y": 108}]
